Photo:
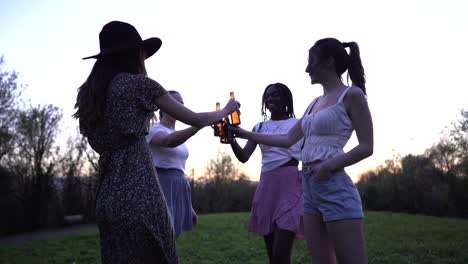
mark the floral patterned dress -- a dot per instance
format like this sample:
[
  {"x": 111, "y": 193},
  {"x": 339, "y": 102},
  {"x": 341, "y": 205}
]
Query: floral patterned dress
[{"x": 131, "y": 212}]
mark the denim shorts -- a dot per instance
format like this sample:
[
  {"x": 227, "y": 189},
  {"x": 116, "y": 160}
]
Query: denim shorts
[{"x": 334, "y": 199}]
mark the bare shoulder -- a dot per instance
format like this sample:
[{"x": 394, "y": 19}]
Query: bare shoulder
[
  {"x": 355, "y": 95},
  {"x": 355, "y": 92}
]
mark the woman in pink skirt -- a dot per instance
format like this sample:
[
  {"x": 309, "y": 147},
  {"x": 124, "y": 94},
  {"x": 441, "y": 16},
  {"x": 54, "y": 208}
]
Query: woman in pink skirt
[{"x": 277, "y": 209}]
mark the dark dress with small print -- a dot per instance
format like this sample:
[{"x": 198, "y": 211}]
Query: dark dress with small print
[{"x": 131, "y": 212}]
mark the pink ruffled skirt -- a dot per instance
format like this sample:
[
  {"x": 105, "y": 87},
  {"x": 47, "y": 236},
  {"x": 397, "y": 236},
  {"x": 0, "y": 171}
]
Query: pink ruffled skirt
[{"x": 278, "y": 202}]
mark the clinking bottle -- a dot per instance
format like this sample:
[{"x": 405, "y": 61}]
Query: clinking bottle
[
  {"x": 221, "y": 129},
  {"x": 235, "y": 117},
  {"x": 218, "y": 129}
]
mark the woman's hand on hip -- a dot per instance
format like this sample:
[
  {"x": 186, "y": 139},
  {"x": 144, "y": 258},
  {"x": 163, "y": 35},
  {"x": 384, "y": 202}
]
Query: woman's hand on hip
[{"x": 323, "y": 171}]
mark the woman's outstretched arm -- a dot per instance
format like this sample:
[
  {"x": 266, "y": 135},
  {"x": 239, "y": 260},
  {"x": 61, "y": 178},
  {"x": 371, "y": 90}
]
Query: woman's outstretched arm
[
  {"x": 174, "y": 139},
  {"x": 177, "y": 110},
  {"x": 243, "y": 153},
  {"x": 279, "y": 140}
]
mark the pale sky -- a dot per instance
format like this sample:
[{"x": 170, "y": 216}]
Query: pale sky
[{"x": 414, "y": 54}]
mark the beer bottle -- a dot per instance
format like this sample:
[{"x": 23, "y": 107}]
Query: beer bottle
[
  {"x": 235, "y": 118},
  {"x": 218, "y": 129},
  {"x": 226, "y": 136},
  {"x": 221, "y": 128}
]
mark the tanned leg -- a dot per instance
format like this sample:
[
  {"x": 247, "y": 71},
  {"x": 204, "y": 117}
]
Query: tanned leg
[
  {"x": 318, "y": 242},
  {"x": 348, "y": 240}
]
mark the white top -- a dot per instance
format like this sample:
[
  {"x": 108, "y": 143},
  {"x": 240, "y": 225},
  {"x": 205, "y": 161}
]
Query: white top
[
  {"x": 169, "y": 158},
  {"x": 274, "y": 157},
  {"x": 326, "y": 132}
]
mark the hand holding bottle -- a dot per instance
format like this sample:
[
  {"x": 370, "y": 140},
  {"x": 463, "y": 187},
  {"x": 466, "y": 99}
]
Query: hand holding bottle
[
  {"x": 235, "y": 116},
  {"x": 231, "y": 117},
  {"x": 232, "y": 106}
]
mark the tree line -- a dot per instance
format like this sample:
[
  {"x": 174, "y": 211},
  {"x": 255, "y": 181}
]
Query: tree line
[{"x": 433, "y": 183}]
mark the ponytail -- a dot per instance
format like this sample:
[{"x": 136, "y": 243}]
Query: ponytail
[{"x": 355, "y": 69}]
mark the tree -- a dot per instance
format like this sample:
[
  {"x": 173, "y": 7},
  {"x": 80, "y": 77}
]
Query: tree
[
  {"x": 78, "y": 164},
  {"x": 9, "y": 94},
  {"x": 37, "y": 129},
  {"x": 443, "y": 155},
  {"x": 33, "y": 161},
  {"x": 223, "y": 188},
  {"x": 450, "y": 154},
  {"x": 71, "y": 164},
  {"x": 12, "y": 219},
  {"x": 459, "y": 135},
  {"x": 221, "y": 168}
]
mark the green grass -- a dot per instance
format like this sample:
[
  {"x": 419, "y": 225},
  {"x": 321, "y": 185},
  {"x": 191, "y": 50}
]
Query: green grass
[{"x": 222, "y": 238}]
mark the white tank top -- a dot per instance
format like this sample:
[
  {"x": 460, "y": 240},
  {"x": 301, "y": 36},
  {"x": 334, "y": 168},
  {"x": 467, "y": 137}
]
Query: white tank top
[{"x": 326, "y": 132}]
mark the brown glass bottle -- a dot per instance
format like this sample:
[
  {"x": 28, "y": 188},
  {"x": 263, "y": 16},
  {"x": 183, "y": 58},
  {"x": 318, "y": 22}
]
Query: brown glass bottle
[
  {"x": 218, "y": 130},
  {"x": 235, "y": 118}
]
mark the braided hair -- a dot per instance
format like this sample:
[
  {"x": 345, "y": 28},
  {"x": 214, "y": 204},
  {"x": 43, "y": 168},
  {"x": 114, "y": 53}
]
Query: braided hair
[{"x": 285, "y": 93}]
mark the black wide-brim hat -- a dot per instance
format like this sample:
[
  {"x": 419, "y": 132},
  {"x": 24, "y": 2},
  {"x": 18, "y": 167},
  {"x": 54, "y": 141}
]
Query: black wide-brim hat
[{"x": 117, "y": 36}]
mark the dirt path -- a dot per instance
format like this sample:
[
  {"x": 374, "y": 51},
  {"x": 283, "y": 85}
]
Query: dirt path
[{"x": 18, "y": 238}]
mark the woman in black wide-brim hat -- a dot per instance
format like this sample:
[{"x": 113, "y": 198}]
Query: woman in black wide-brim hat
[{"x": 113, "y": 107}]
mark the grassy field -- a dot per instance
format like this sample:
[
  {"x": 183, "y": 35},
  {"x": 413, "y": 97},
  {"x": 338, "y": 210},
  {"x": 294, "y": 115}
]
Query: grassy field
[{"x": 222, "y": 238}]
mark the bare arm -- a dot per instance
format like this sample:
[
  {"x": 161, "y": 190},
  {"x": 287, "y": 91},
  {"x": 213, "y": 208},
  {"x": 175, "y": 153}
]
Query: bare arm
[
  {"x": 358, "y": 110},
  {"x": 177, "y": 110},
  {"x": 243, "y": 154},
  {"x": 172, "y": 140},
  {"x": 279, "y": 140}
]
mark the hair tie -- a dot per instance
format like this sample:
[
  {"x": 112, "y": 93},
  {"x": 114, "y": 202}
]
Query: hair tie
[{"x": 345, "y": 44}]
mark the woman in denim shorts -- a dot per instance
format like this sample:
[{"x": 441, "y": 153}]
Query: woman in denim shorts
[{"x": 332, "y": 206}]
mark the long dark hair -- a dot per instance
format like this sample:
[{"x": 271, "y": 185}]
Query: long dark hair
[
  {"x": 330, "y": 47},
  {"x": 92, "y": 94},
  {"x": 285, "y": 93}
]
